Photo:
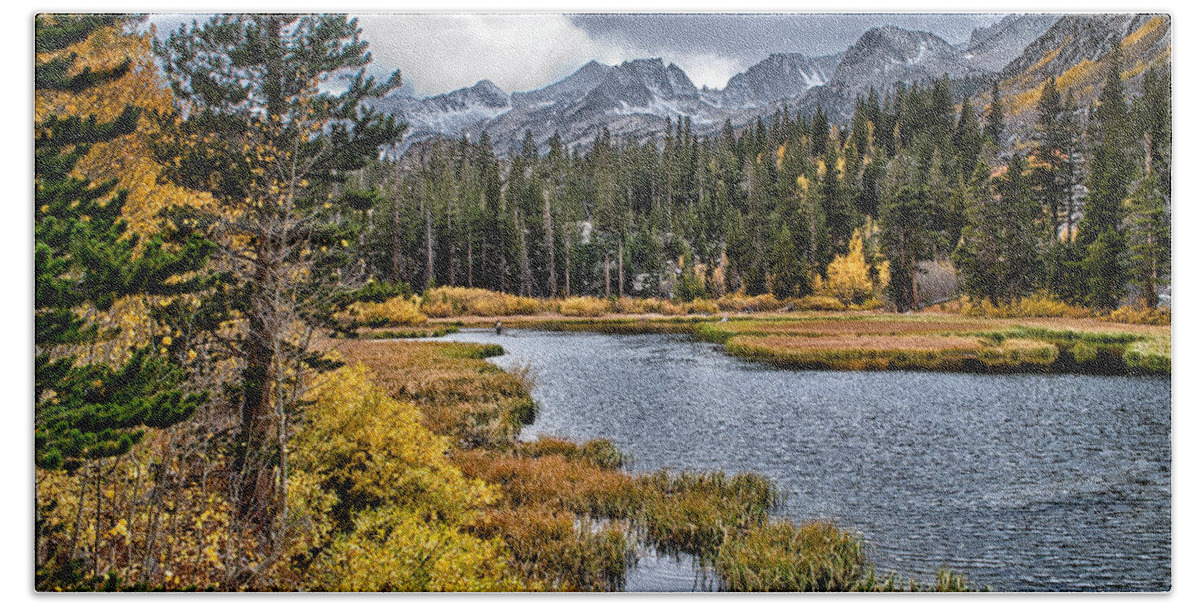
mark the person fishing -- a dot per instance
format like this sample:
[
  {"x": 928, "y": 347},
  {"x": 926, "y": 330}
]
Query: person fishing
[{"x": 499, "y": 327}]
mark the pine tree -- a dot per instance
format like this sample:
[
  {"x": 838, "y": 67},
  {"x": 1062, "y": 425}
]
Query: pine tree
[
  {"x": 968, "y": 141},
  {"x": 789, "y": 277},
  {"x": 84, "y": 257},
  {"x": 273, "y": 149},
  {"x": 993, "y": 129},
  {"x": 907, "y": 217},
  {"x": 1149, "y": 238},
  {"x": 1109, "y": 172}
]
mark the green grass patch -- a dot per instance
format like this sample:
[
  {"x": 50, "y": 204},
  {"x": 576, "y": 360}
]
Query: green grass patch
[{"x": 1149, "y": 356}]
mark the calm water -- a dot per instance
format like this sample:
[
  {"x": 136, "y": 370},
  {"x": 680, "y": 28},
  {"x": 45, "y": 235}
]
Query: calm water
[{"x": 1024, "y": 482}]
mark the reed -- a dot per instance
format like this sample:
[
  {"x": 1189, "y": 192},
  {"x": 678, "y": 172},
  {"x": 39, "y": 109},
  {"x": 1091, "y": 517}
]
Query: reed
[{"x": 782, "y": 556}]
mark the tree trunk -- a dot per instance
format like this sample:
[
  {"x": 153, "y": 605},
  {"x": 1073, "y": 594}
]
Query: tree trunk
[
  {"x": 567, "y": 264},
  {"x": 470, "y": 265},
  {"x": 548, "y": 224},
  {"x": 429, "y": 278},
  {"x": 607, "y": 279},
  {"x": 620, "y": 267},
  {"x": 526, "y": 286},
  {"x": 453, "y": 270}
]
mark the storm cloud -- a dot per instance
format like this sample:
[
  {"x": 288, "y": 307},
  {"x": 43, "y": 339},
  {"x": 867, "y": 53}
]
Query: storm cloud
[{"x": 440, "y": 52}]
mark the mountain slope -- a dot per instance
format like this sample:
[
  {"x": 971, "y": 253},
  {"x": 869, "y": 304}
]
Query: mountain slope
[
  {"x": 776, "y": 77},
  {"x": 1073, "y": 51},
  {"x": 991, "y": 48}
]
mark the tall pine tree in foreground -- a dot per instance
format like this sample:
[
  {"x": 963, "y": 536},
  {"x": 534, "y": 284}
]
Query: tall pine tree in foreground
[
  {"x": 273, "y": 148},
  {"x": 85, "y": 259}
]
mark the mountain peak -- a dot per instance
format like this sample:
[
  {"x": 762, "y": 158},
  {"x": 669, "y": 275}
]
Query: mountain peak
[{"x": 778, "y": 76}]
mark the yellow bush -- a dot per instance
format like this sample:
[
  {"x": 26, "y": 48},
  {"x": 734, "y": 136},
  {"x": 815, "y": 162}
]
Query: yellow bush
[
  {"x": 702, "y": 306},
  {"x": 376, "y": 452},
  {"x": 1036, "y": 305},
  {"x": 364, "y": 457},
  {"x": 396, "y": 311},
  {"x": 395, "y": 549},
  {"x": 1141, "y": 315},
  {"x": 583, "y": 306},
  {"x": 467, "y": 301}
]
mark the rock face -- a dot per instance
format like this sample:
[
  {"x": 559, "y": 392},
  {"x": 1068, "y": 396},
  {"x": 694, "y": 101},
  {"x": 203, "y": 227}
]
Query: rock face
[
  {"x": 991, "y": 48},
  {"x": 454, "y": 113},
  {"x": 887, "y": 55},
  {"x": 634, "y": 99},
  {"x": 777, "y": 77},
  {"x": 1076, "y": 38}
]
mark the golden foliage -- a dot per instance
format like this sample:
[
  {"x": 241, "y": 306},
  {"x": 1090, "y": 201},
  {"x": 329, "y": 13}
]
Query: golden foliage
[
  {"x": 128, "y": 159},
  {"x": 851, "y": 278},
  {"x": 1040, "y": 304},
  {"x": 365, "y": 457},
  {"x": 395, "y": 549},
  {"x": 452, "y": 301},
  {"x": 399, "y": 310},
  {"x": 1140, "y": 315},
  {"x": 583, "y": 306}
]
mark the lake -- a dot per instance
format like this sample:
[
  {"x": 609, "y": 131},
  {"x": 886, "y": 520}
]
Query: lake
[{"x": 1024, "y": 482}]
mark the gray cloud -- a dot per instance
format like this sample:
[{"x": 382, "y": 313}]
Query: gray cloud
[
  {"x": 751, "y": 37},
  {"x": 439, "y": 52}
]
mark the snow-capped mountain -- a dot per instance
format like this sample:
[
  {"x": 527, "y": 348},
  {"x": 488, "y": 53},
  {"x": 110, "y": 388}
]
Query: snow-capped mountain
[
  {"x": 451, "y": 113},
  {"x": 884, "y": 56},
  {"x": 778, "y": 76},
  {"x": 635, "y": 98},
  {"x": 991, "y": 48}
]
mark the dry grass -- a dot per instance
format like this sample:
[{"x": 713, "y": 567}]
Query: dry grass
[
  {"x": 893, "y": 351},
  {"x": 583, "y": 306}
]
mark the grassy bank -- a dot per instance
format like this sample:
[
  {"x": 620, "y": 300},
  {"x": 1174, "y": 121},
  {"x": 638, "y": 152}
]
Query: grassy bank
[
  {"x": 566, "y": 516},
  {"x": 933, "y": 342}
]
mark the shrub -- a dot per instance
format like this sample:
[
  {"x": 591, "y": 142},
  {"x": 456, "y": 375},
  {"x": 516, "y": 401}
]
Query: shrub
[
  {"x": 702, "y": 306},
  {"x": 583, "y": 306},
  {"x": 450, "y": 301},
  {"x": 740, "y": 302},
  {"x": 400, "y": 310},
  {"x": 818, "y": 303},
  {"x": 382, "y": 506},
  {"x": 1141, "y": 315},
  {"x": 1036, "y": 305},
  {"x": 393, "y": 549}
]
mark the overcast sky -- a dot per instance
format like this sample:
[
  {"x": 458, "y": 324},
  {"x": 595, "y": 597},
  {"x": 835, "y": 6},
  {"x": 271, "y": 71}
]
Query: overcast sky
[{"x": 437, "y": 53}]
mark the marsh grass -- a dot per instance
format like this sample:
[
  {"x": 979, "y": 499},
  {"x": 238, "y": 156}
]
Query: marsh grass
[
  {"x": 782, "y": 556},
  {"x": 416, "y": 332},
  {"x": 568, "y": 515}
]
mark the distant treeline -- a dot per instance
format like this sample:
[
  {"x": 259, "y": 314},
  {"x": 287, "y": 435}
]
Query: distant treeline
[{"x": 766, "y": 209}]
